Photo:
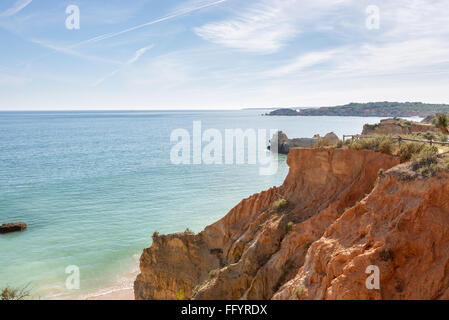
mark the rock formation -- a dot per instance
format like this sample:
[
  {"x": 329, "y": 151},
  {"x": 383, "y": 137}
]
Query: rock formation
[
  {"x": 283, "y": 144},
  {"x": 12, "y": 227},
  {"x": 400, "y": 227},
  {"x": 259, "y": 249},
  {"x": 330, "y": 139},
  {"x": 397, "y": 126}
]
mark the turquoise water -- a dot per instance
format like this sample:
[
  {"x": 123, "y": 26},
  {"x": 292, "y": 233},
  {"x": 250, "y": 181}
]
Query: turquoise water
[{"x": 94, "y": 186}]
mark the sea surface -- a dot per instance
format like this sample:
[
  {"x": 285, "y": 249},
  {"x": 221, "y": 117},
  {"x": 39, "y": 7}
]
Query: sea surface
[{"x": 94, "y": 186}]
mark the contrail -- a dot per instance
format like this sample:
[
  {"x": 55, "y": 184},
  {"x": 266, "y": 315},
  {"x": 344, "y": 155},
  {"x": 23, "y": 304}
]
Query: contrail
[
  {"x": 111, "y": 35},
  {"x": 18, "y": 6},
  {"x": 172, "y": 16}
]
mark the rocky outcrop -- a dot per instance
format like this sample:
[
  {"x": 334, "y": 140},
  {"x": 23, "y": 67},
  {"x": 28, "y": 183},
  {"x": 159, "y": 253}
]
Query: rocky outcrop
[
  {"x": 283, "y": 144},
  {"x": 330, "y": 139},
  {"x": 397, "y": 126},
  {"x": 401, "y": 228},
  {"x": 12, "y": 227},
  {"x": 259, "y": 246}
]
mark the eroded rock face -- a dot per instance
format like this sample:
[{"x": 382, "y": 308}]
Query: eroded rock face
[
  {"x": 401, "y": 227},
  {"x": 259, "y": 246}
]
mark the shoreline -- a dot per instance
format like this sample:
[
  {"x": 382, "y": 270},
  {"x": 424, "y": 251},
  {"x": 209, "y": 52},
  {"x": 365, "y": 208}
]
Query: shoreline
[
  {"x": 117, "y": 294},
  {"x": 120, "y": 290}
]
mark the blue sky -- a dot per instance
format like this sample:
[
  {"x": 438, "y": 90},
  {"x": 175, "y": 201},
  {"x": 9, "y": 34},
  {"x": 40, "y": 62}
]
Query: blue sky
[{"x": 221, "y": 54}]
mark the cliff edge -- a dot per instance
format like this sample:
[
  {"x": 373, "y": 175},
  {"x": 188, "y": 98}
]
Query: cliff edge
[
  {"x": 265, "y": 246},
  {"x": 401, "y": 227}
]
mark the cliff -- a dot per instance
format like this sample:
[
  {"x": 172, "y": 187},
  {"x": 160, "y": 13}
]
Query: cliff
[
  {"x": 401, "y": 227},
  {"x": 259, "y": 249},
  {"x": 397, "y": 126}
]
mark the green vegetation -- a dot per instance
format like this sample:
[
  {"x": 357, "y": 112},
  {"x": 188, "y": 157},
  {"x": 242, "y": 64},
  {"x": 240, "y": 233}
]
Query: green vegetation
[
  {"x": 425, "y": 158},
  {"x": 442, "y": 122},
  {"x": 408, "y": 150},
  {"x": 429, "y": 135},
  {"x": 380, "y": 173},
  {"x": 180, "y": 294},
  {"x": 383, "y": 144},
  {"x": 426, "y": 162},
  {"x": 301, "y": 291},
  {"x": 279, "y": 204},
  {"x": 290, "y": 226},
  {"x": 323, "y": 142},
  {"x": 371, "y": 109},
  {"x": 340, "y": 144},
  {"x": 9, "y": 293},
  {"x": 213, "y": 273},
  {"x": 189, "y": 232}
]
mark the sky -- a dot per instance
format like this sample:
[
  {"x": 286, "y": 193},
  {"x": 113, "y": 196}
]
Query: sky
[{"x": 221, "y": 54}]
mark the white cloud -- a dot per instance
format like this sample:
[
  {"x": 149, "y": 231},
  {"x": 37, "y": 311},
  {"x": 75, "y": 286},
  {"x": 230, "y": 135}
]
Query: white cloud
[
  {"x": 410, "y": 56},
  {"x": 302, "y": 62},
  {"x": 265, "y": 27},
  {"x": 18, "y": 6}
]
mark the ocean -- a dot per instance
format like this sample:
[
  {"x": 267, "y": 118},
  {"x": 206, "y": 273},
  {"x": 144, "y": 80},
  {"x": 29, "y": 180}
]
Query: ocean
[{"x": 93, "y": 186}]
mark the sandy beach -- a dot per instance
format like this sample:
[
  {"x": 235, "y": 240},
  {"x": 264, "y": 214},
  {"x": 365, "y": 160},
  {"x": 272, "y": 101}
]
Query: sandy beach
[{"x": 121, "y": 294}]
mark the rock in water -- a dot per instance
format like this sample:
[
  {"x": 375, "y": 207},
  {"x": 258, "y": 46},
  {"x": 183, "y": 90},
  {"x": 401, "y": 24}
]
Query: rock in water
[
  {"x": 12, "y": 227},
  {"x": 283, "y": 144}
]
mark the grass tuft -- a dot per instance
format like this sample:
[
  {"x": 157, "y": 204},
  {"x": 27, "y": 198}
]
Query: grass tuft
[
  {"x": 280, "y": 204},
  {"x": 9, "y": 293}
]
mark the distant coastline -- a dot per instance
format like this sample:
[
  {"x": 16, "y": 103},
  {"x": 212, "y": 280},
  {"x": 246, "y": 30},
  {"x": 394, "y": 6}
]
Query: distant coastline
[{"x": 371, "y": 109}]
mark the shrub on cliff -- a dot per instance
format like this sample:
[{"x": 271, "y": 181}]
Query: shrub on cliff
[
  {"x": 301, "y": 291},
  {"x": 9, "y": 293},
  {"x": 340, "y": 144},
  {"x": 426, "y": 157},
  {"x": 426, "y": 162},
  {"x": 382, "y": 144},
  {"x": 442, "y": 121},
  {"x": 408, "y": 150},
  {"x": 279, "y": 204},
  {"x": 324, "y": 142},
  {"x": 386, "y": 146}
]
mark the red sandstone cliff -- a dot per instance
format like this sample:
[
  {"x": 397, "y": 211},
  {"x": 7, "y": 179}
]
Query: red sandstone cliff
[
  {"x": 402, "y": 227},
  {"x": 265, "y": 248}
]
